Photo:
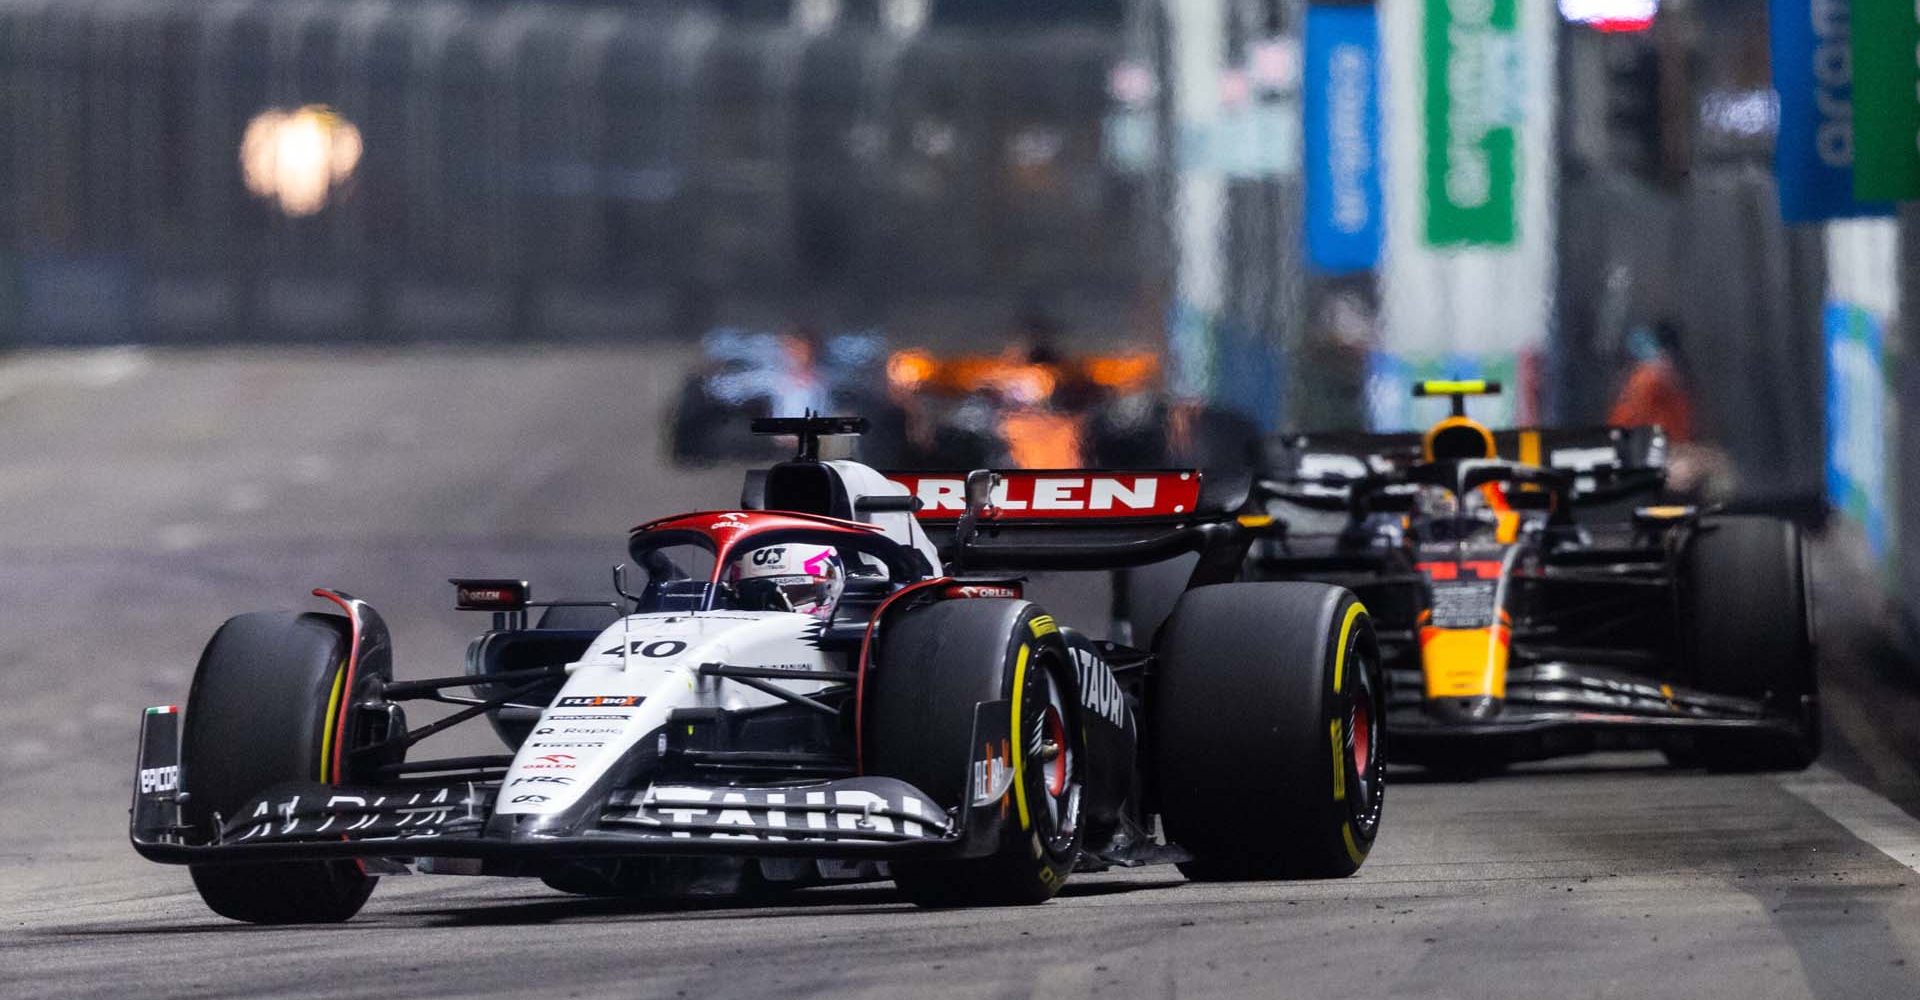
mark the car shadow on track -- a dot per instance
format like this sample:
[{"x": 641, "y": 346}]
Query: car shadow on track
[
  {"x": 533, "y": 911},
  {"x": 1598, "y": 766},
  {"x": 851, "y": 900}
]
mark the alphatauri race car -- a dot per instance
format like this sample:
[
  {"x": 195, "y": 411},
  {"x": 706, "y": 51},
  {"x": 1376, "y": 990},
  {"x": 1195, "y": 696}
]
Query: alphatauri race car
[
  {"x": 838, "y": 680},
  {"x": 1535, "y": 597}
]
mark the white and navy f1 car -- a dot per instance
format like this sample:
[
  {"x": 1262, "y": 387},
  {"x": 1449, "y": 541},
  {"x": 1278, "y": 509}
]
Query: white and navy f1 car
[
  {"x": 838, "y": 680},
  {"x": 1537, "y": 596}
]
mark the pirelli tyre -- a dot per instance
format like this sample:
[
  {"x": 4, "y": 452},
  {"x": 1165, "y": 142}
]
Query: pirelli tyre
[
  {"x": 259, "y": 713},
  {"x": 935, "y": 665},
  {"x": 1267, "y": 722},
  {"x": 1748, "y": 631}
]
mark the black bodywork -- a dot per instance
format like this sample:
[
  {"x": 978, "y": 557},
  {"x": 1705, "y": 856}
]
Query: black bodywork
[{"x": 1587, "y": 588}]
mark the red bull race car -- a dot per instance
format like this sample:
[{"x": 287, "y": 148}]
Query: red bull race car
[
  {"x": 840, "y": 679},
  {"x": 1535, "y": 596}
]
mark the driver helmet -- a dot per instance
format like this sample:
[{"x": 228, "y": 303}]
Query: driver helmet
[{"x": 803, "y": 578}]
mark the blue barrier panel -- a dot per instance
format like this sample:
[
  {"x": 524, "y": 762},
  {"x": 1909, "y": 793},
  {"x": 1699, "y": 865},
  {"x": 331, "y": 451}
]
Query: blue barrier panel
[
  {"x": 1341, "y": 115},
  {"x": 1813, "y": 75}
]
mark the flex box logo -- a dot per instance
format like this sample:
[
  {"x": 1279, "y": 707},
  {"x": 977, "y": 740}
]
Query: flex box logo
[{"x": 1053, "y": 495}]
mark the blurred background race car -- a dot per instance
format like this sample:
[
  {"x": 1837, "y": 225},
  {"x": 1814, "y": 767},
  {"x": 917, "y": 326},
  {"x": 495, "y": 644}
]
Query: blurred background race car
[
  {"x": 1539, "y": 592},
  {"x": 744, "y": 374},
  {"x": 1029, "y": 405}
]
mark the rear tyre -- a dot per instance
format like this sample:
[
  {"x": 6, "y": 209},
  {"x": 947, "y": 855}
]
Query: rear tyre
[
  {"x": 1749, "y": 632},
  {"x": 1267, "y": 713},
  {"x": 935, "y": 665},
  {"x": 257, "y": 715}
]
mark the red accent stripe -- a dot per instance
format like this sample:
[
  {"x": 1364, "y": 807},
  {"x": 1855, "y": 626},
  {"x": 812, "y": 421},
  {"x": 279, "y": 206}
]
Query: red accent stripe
[
  {"x": 866, "y": 656},
  {"x": 346, "y": 686}
]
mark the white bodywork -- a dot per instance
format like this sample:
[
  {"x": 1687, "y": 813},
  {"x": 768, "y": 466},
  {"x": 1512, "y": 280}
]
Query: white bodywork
[
  {"x": 900, "y": 526},
  {"x": 643, "y": 668},
  {"x": 634, "y": 675}
]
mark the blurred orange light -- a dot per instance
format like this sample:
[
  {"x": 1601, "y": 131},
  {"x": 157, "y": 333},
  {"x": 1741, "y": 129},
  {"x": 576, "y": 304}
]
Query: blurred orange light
[
  {"x": 910, "y": 369},
  {"x": 1124, "y": 371},
  {"x": 1027, "y": 385},
  {"x": 297, "y": 158}
]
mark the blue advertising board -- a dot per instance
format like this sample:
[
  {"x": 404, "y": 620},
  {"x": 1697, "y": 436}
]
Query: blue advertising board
[
  {"x": 1813, "y": 76},
  {"x": 1856, "y": 420},
  {"x": 1341, "y": 118}
]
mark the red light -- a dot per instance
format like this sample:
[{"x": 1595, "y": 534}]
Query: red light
[{"x": 1611, "y": 16}]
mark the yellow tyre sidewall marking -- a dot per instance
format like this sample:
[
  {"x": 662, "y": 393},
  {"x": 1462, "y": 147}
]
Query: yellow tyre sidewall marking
[
  {"x": 1353, "y": 849},
  {"x": 1354, "y": 611},
  {"x": 1339, "y": 761},
  {"x": 326, "y": 734},
  {"x": 1020, "y": 738},
  {"x": 1338, "y": 743}
]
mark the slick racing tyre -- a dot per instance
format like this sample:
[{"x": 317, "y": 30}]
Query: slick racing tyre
[
  {"x": 258, "y": 714},
  {"x": 934, "y": 666},
  {"x": 1267, "y": 724},
  {"x": 1748, "y": 631}
]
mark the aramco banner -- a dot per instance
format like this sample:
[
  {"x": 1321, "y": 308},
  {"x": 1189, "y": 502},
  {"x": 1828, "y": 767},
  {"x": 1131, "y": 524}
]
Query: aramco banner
[
  {"x": 1341, "y": 89},
  {"x": 1475, "y": 98},
  {"x": 1886, "y": 100},
  {"x": 1813, "y": 74}
]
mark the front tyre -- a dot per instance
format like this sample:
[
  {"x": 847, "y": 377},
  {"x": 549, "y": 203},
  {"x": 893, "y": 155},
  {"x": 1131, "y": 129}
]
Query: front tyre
[
  {"x": 261, "y": 711},
  {"x": 1267, "y": 713},
  {"x": 935, "y": 666},
  {"x": 1749, "y": 633}
]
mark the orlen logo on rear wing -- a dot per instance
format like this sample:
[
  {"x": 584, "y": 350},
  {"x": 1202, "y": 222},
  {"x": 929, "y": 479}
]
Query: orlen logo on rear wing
[{"x": 1049, "y": 495}]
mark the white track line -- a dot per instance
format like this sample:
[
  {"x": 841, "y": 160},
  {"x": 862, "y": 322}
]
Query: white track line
[{"x": 1865, "y": 814}]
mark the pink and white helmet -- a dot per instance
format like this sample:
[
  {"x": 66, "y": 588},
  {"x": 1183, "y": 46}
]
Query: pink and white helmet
[{"x": 791, "y": 577}]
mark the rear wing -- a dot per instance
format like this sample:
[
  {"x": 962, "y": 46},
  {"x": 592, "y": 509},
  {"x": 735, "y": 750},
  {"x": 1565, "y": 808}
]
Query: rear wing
[
  {"x": 1082, "y": 519},
  {"x": 1606, "y": 463}
]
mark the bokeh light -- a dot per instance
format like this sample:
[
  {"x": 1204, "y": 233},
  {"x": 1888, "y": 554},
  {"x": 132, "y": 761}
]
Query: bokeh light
[{"x": 298, "y": 158}]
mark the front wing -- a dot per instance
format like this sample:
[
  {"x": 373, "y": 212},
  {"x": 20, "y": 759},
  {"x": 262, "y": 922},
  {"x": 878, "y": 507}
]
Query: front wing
[
  {"x": 858, "y": 817},
  {"x": 1561, "y": 707}
]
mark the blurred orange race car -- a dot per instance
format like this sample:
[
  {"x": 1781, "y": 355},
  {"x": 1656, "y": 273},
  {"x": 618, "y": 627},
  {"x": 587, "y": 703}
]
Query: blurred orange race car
[{"x": 1030, "y": 410}]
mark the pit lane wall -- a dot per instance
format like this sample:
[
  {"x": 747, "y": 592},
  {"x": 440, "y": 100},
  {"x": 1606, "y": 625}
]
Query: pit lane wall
[{"x": 1902, "y": 381}]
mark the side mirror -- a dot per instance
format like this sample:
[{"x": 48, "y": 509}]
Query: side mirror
[
  {"x": 979, "y": 489},
  {"x": 979, "y": 494}
]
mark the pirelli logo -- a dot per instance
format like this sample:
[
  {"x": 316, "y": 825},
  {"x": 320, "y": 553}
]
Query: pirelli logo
[{"x": 1042, "y": 625}]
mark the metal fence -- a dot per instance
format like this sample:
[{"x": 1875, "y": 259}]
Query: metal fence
[{"x": 545, "y": 171}]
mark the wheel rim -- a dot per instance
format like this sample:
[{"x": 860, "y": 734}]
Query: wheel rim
[
  {"x": 1055, "y": 778},
  {"x": 1365, "y": 770},
  {"x": 1056, "y": 771},
  {"x": 1362, "y": 726}
]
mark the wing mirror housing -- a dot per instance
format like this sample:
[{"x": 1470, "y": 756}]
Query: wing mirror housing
[
  {"x": 979, "y": 490},
  {"x": 979, "y": 495}
]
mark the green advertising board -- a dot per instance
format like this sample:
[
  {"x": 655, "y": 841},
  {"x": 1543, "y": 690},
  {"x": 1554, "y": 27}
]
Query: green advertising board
[
  {"x": 1886, "y": 97},
  {"x": 1473, "y": 111}
]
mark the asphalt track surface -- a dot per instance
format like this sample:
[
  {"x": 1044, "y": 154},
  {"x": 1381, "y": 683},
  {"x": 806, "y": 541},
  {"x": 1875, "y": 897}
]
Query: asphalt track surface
[{"x": 146, "y": 496}]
